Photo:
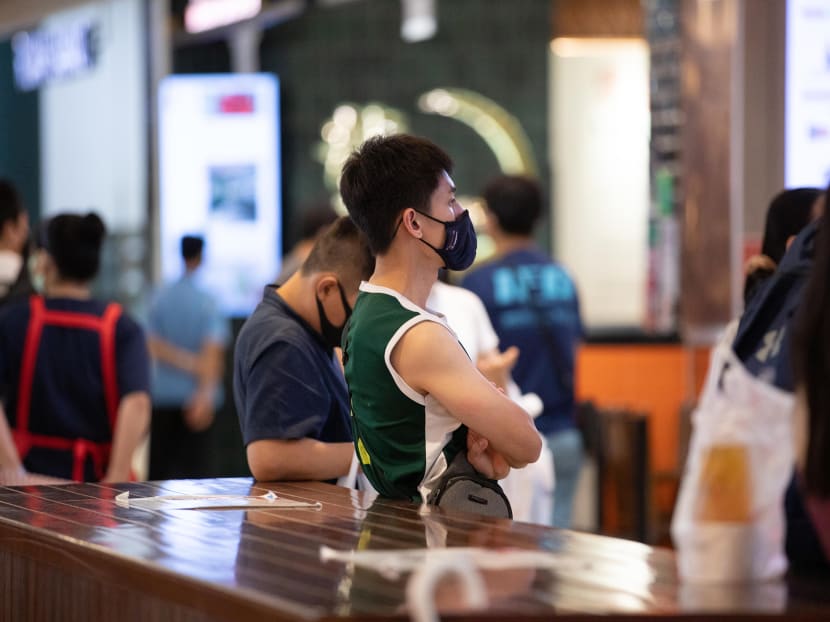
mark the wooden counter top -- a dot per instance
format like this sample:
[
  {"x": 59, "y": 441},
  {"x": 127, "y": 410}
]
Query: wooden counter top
[{"x": 71, "y": 553}]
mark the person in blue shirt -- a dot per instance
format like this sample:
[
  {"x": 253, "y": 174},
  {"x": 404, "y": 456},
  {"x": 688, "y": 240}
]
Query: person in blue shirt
[
  {"x": 288, "y": 383},
  {"x": 187, "y": 336},
  {"x": 533, "y": 305}
]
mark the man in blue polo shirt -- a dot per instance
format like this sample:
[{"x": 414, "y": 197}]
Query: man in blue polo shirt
[
  {"x": 533, "y": 305},
  {"x": 187, "y": 337},
  {"x": 289, "y": 390}
]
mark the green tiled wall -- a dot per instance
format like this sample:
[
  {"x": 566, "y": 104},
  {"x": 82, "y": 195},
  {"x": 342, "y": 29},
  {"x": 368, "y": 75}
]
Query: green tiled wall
[
  {"x": 354, "y": 53},
  {"x": 19, "y": 135}
]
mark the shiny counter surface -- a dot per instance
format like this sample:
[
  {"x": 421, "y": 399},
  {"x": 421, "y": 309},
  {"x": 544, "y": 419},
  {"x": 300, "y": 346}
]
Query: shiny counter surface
[{"x": 71, "y": 553}]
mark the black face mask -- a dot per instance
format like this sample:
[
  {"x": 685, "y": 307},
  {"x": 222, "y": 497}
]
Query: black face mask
[
  {"x": 332, "y": 334},
  {"x": 459, "y": 250}
]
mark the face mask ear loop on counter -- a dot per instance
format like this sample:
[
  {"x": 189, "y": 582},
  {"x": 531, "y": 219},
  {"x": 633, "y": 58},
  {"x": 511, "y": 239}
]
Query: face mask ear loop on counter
[{"x": 420, "y": 589}]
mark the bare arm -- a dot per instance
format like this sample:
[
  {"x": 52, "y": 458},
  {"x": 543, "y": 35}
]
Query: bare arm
[
  {"x": 306, "y": 458},
  {"x": 12, "y": 472},
  {"x": 211, "y": 364},
  {"x": 174, "y": 356},
  {"x": 431, "y": 361},
  {"x": 133, "y": 419},
  {"x": 198, "y": 412},
  {"x": 9, "y": 459}
]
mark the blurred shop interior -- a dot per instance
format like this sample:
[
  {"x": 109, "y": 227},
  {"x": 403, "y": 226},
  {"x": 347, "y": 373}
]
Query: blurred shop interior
[{"x": 660, "y": 130}]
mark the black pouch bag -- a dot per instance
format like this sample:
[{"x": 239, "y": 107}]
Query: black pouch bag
[{"x": 463, "y": 488}]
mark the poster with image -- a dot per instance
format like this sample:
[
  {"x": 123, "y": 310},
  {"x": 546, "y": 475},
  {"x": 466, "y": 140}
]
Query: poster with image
[
  {"x": 233, "y": 192},
  {"x": 219, "y": 178},
  {"x": 807, "y": 133}
]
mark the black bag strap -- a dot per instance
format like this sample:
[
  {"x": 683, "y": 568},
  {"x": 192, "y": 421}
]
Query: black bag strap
[{"x": 460, "y": 470}]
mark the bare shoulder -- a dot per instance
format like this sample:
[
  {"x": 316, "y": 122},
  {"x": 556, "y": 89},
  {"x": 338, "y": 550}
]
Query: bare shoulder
[
  {"x": 427, "y": 338},
  {"x": 424, "y": 351}
]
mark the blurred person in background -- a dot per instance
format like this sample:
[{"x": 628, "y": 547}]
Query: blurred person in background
[
  {"x": 533, "y": 305},
  {"x": 75, "y": 370},
  {"x": 529, "y": 489},
  {"x": 314, "y": 219},
  {"x": 14, "y": 233},
  {"x": 788, "y": 213},
  {"x": 288, "y": 383},
  {"x": 187, "y": 337}
]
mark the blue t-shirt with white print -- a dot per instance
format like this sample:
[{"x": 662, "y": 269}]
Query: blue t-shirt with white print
[{"x": 533, "y": 304}]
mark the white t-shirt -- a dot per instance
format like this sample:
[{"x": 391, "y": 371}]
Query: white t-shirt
[
  {"x": 466, "y": 316},
  {"x": 530, "y": 489}
]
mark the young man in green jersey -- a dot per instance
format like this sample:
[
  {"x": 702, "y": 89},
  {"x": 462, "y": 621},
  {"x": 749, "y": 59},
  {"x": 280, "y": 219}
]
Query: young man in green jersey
[{"x": 417, "y": 400}]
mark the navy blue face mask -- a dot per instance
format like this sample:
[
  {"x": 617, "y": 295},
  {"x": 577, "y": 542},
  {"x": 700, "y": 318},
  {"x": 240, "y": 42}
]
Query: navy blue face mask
[{"x": 459, "y": 250}]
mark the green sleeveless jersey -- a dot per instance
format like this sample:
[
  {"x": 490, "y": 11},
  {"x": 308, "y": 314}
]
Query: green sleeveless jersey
[{"x": 404, "y": 440}]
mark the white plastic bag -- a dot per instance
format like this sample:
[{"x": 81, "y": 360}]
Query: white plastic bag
[{"x": 728, "y": 524}]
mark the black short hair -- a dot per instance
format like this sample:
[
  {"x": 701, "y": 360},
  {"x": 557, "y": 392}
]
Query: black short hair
[
  {"x": 74, "y": 242},
  {"x": 11, "y": 205},
  {"x": 344, "y": 250},
  {"x": 191, "y": 246},
  {"x": 515, "y": 201},
  {"x": 788, "y": 213},
  {"x": 386, "y": 175}
]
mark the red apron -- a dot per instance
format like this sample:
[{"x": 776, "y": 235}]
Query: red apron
[{"x": 81, "y": 448}]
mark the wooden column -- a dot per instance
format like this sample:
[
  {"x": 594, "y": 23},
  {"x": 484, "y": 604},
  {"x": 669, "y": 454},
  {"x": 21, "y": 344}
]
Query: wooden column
[
  {"x": 763, "y": 107},
  {"x": 708, "y": 95}
]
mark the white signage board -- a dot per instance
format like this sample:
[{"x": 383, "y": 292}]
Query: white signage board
[
  {"x": 220, "y": 178},
  {"x": 600, "y": 152},
  {"x": 807, "y": 141}
]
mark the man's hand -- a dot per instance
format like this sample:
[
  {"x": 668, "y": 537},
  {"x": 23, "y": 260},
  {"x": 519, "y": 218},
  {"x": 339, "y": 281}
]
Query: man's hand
[
  {"x": 198, "y": 412},
  {"x": 496, "y": 366},
  {"x": 484, "y": 458}
]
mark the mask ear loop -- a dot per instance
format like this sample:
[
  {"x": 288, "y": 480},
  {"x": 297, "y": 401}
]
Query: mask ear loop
[
  {"x": 420, "y": 588},
  {"x": 400, "y": 221},
  {"x": 347, "y": 308},
  {"x": 398, "y": 226}
]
